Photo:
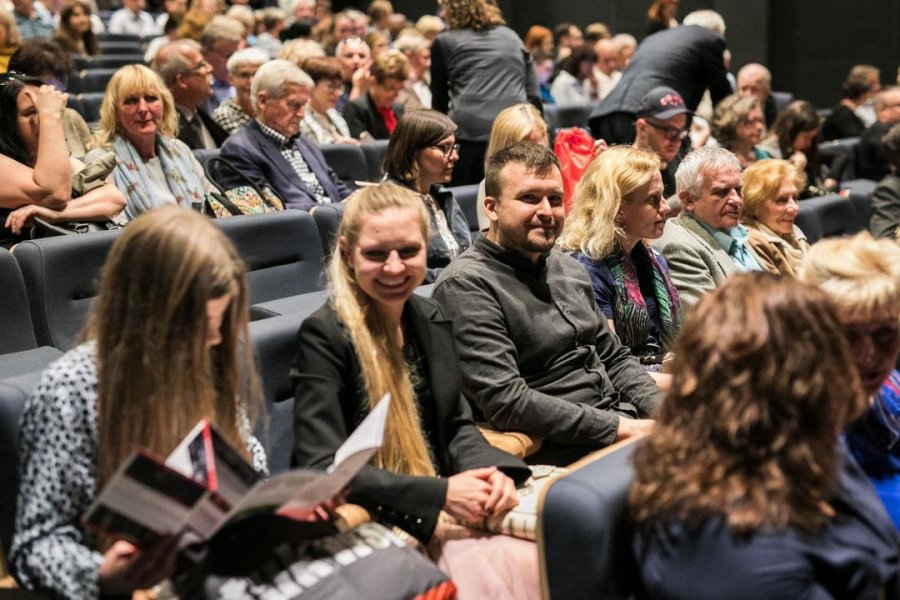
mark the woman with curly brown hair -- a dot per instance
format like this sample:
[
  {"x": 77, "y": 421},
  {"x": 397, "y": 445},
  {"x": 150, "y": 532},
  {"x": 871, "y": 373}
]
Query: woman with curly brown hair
[
  {"x": 738, "y": 125},
  {"x": 744, "y": 479},
  {"x": 478, "y": 68}
]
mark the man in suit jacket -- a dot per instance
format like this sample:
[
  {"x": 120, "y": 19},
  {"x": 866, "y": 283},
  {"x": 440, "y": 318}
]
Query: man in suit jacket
[
  {"x": 189, "y": 77},
  {"x": 689, "y": 59},
  {"x": 706, "y": 243},
  {"x": 270, "y": 150},
  {"x": 871, "y": 158},
  {"x": 376, "y": 114}
]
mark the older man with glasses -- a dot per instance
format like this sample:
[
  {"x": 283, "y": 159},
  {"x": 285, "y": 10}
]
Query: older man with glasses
[
  {"x": 661, "y": 125},
  {"x": 189, "y": 77}
]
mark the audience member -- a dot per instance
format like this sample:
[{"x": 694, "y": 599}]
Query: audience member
[
  {"x": 273, "y": 22},
  {"x": 689, "y": 59},
  {"x": 518, "y": 123},
  {"x": 575, "y": 84},
  {"x": 375, "y": 337},
  {"x": 270, "y": 149},
  {"x": 471, "y": 84},
  {"x": 738, "y": 125},
  {"x": 379, "y": 13},
  {"x": 544, "y": 68},
  {"x": 170, "y": 7},
  {"x": 163, "y": 350},
  {"x": 793, "y": 137},
  {"x": 343, "y": 29},
  {"x": 606, "y": 70},
  {"x": 196, "y": 18},
  {"x": 298, "y": 51},
  {"x": 420, "y": 156},
  {"x": 618, "y": 209},
  {"x": 375, "y": 115},
  {"x": 858, "y": 90},
  {"x": 862, "y": 278},
  {"x": 536, "y": 355},
  {"x": 138, "y": 122},
  {"x": 221, "y": 38},
  {"x": 416, "y": 92},
  {"x": 10, "y": 38},
  {"x": 595, "y": 32},
  {"x": 661, "y": 126},
  {"x": 356, "y": 58},
  {"x": 430, "y": 26},
  {"x": 539, "y": 37},
  {"x": 871, "y": 160},
  {"x": 189, "y": 78},
  {"x": 34, "y": 20},
  {"x": 772, "y": 506},
  {"x": 771, "y": 190},
  {"x": 323, "y": 124},
  {"x": 44, "y": 59},
  {"x": 662, "y": 15},
  {"x": 235, "y": 112},
  {"x": 169, "y": 35},
  {"x": 885, "y": 220},
  {"x": 36, "y": 166},
  {"x": 302, "y": 10},
  {"x": 566, "y": 37},
  {"x": 625, "y": 45},
  {"x": 706, "y": 242},
  {"x": 755, "y": 80},
  {"x": 75, "y": 35},
  {"x": 132, "y": 19},
  {"x": 377, "y": 42}
]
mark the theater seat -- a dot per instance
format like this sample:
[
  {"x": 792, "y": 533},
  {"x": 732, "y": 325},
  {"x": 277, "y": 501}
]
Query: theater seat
[
  {"x": 13, "y": 393},
  {"x": 583, "y": 530},
  {"x": 348, "y": 162},
  {"x": 560, "y": 116},
  {"x": 306, "y": 303},
  {"x": 467, "y": 198},
  {"x": 328, "y": 220},
  {"x": 828, "y": 216},
  {"x": 90, "y": 105},
  {"x": 375, "y": 151},
  {"x": 282, "y": 252},
  {"x": 90, "y": 80},
  {"x": 60, "y": 275}
]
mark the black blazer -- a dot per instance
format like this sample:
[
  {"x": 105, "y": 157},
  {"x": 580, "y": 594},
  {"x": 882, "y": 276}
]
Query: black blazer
[
  {"x": 187, "y": 134},
  {"x": 361, "y": 115},
  {"x": 331, "y": 402}
]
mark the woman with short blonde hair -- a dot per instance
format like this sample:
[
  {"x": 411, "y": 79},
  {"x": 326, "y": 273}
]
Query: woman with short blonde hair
[{"x": 771, "y": 190}]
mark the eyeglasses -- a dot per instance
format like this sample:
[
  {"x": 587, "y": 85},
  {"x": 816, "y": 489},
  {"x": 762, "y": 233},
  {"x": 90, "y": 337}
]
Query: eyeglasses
[
  {"x": 673, "y": 134},
  {"x": 447, "y": 149},
  {"x": 201, "y": 66}
]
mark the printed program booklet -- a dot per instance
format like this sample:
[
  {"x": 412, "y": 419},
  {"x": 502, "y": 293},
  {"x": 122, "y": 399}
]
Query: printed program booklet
[{"x": 205, "y": 484}]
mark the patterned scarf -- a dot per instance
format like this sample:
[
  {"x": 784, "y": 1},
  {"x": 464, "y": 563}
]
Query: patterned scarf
[
  {"x": 131, "y": 175},
  {"x": 630, "y": 314}
]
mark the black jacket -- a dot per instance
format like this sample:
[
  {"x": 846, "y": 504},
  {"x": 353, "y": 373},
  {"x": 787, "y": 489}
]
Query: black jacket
[
  {"x": 331, "y": 402},
  {"x": 187, "y": 134},
  {"x": 362, "y": 115}
]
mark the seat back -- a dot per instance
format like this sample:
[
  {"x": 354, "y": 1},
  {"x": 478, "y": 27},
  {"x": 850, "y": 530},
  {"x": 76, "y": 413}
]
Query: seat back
[
  {"x": 567, "y": 115},
  {"x": 828, "y": 216},
  {"x": 60, "y": 275},
  {"x": 275, "y": 347},
  {"x": 13, "y": 394},
  {"x": 90, "y": 105},
  {"x": 375, "y": 151},
  {"x": 584, "y": 533},
  {"x": 90, "y": 80},
  {"x": 467, "y": 198},
  {"x": 122, "y": 47},
  {"x": 328, "y": 220},
  {"x": 282, "y": 252},
  {"x": 782, "y": 99},
  {"x": 114, "y": 61},
  {"x": 15, "y": 316},
  {"x": 348, "y": 162}
]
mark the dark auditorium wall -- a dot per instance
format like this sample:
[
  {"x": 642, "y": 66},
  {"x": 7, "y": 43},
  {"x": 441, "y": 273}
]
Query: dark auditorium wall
[{"x": 809, "y": 45}]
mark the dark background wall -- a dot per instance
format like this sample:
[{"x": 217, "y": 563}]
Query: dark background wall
[{"x": 809, "y": 45}]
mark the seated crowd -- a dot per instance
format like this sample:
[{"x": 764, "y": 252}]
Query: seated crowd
[{"x": 671, "y": 300}]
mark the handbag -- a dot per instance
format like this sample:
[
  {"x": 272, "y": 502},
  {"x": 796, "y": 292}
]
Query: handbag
[
  {"x": 575, "y": 149},
  {"x": 246, "y": 199}
]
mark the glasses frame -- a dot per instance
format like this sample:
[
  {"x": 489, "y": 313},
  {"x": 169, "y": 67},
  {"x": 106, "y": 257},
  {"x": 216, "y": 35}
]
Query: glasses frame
[
  {"x": 672, "y": 134},
  {"x": 447, "y": 151}
]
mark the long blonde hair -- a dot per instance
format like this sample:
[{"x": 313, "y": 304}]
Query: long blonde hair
[
  {"x": 609, "y": 182},
  {"x": 513, "y": 124},
  {"x": 134, "y": 79},
  {"x": 377, "y": 347},
  {"x": 157, "y": 375}
]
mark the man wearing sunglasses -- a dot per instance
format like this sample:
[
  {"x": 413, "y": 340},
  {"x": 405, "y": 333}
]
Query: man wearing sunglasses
[{"x": 661, "y": 126}]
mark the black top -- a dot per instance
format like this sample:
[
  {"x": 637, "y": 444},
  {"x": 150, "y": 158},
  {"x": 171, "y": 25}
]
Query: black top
[{"x": 842, "y": 123}]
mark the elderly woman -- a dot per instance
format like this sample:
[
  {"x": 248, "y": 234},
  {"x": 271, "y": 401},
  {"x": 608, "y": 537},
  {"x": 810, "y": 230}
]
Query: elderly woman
[
  {"x": 861, "y": 275},
  {"x": 738, "y": 125},
  {"x": 375, "y": 115},
  {"x": 322, "y": 124},
  {"x": 618, "y": 208},
  {"x": 34, "y": 160},
  {"x": 771, "y": 189},
  {"x": 478, "y": 68},
  {"x": 138, "y": 122},
  {"x": 421, "y": 156},
  {"x": 235, "y": 112},
  {"x": 518, "y": 123},
  {"x": 743, "y": 478}
]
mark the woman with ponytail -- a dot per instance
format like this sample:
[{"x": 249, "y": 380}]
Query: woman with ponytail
[{"x": 435, "y": 473}]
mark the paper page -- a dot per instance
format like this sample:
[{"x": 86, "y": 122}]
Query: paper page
[
  {"x": 368, "y": 436},
  {"x": 184, "y": 458}
]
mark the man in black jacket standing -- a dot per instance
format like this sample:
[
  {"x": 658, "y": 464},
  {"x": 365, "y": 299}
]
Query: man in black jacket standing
[{"x": 689, "y": 59}]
